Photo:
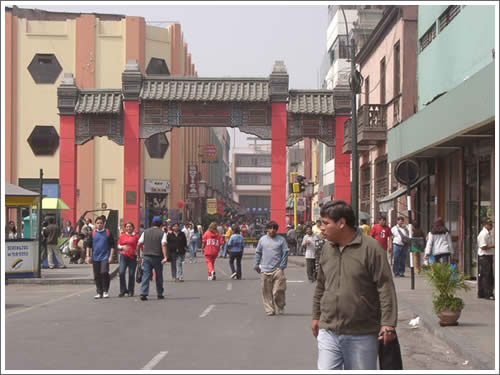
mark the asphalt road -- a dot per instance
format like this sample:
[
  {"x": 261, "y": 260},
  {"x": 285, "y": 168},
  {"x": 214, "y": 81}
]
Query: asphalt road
[{"x": 200, "y": 325}]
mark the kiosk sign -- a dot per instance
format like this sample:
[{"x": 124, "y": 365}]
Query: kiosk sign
[{"x": 21, "y": 258}]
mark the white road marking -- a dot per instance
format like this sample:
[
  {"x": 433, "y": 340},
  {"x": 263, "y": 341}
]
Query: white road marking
[
  {"x": 48, "y": 302},
  {"x": 156, "y": 359},
  {"x": 295, "y": 281},
  {"x": 207, "y": 310},
  {"x": 229, "y": 286}
]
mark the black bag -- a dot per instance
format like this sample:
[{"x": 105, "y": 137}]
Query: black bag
[
  {"x": 138, "y": 273},
  {"x": 389, "y": 356},
  {"x": 406, "y": 240}
]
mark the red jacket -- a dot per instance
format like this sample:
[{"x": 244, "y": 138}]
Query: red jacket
[
  {"x": 212, "y": 242},
  {"x": 131, "y": 242}
]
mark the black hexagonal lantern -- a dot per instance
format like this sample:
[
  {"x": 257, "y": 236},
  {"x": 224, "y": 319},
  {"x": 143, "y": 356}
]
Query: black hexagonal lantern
[
  {"x": 44, "y": 68},
  {"x": 157, "y": 66},
  {"x": 44, "y": 140},
  {"x": 157, "y": 145}
]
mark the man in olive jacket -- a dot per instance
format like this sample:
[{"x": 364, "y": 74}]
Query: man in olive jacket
[{"x": 354, "y": 301}]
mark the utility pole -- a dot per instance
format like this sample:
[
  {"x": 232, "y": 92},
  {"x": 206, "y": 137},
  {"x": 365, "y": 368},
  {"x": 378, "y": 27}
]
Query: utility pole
[{"x": 354, "y": 84}]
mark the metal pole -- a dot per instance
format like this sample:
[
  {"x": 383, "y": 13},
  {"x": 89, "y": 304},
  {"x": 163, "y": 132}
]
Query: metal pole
[
  {"x": 354, "y": 137},
  {"x": 410, "y": 230},
  {"x": 39, "y": 228},
  {"x": 294, "y": 210}
]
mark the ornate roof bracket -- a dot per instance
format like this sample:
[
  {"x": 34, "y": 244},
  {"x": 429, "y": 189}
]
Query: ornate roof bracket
[
  {"x": 67, "y": 95},
  {"x": 131, "y": 81},
  {"x": 278, "y": 83}
]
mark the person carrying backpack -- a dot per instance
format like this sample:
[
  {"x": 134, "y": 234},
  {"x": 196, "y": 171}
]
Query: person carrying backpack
[{"x": 102, "y": 244}]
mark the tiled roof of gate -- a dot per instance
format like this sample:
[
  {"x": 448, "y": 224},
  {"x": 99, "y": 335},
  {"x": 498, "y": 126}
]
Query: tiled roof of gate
[
  {"x": 99, "y": 102},
  {"x": 315, "y": 102},
  {"x": 207, "y": 89}
]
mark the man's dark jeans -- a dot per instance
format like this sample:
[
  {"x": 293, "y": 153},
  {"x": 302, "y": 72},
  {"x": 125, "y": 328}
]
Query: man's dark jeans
[
  {"x": 149, "y": 263},
  {"x": 101, "y": 276},
  {"x": 310, "y": 263},
  {"x": 131, "y": 264},
  {"x": 485, "y": 277},
  {"x": 232, "y": 257}
]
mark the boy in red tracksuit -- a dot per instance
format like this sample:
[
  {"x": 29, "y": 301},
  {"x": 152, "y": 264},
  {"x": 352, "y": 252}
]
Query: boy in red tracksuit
[{"x": 212, "y": 242}]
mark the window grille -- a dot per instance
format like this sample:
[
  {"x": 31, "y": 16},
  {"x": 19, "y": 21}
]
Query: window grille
[
  {"x": 427, "y": 38},
  {"x": 397, "y": 69},
  {"x": 447, "y": 16}
]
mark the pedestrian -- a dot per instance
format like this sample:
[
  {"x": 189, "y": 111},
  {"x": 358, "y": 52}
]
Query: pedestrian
[
  {"x": 11, "y": 230},
  {"x": 212, "y": 241},
  {"x": 141, "y": 229},
  {"x": 485, "y": 253},
  {"x": 418, "y": 244},
  {"x": 76, "y": 248},
  {"x": 355, "y": 300},
  {"x": 176, "y": 250},
  {"x": 187, "y": 231},
  {"x": 400, "y": 246},
  {"x": 244, "y": 230},
  {"x": 102, "y": 244},
  {"x": 317, "y": 228},
  {"x": 44, "y": 241},
  {"x": 86, "y": 229},
  {"x": 291, "y": 239},
  {"x": 53, "y": 233},
  {"x": 127, "y": 244},
  {"x": 271, "y": 258},
  {"x": 153, "y": 256},
  {"x": 227, "y": 236},
  {"x": 382, "y": 233},
  {"x": 439, "y": 242},
  {"x": 309, "y": 243},
  {"x": 235, "y": 246},
  {"x": 67, "y": 229},
  {"x": 365, "y": 227},
  {"x": 194, "y": 243}
]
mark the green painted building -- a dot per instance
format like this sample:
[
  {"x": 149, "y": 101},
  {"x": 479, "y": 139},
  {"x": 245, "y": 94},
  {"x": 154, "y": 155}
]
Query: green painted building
[{"x": 452, "y": 133}]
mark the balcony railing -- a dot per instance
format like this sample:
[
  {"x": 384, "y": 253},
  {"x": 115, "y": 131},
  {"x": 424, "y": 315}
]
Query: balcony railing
[
  {"x": 372, "y": 124},
  {"x": 347, "y": 144}
]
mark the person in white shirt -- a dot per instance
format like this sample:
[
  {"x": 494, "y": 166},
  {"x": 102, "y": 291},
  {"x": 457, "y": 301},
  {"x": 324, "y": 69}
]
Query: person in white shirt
[
  {"x": 439, "y": 242},
  {"x": 485, "y": 252},
  {"x": 399, "y": 247},
  {"x": 309, "y": 242}
]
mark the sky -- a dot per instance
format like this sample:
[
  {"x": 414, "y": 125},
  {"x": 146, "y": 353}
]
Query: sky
[{"x": 236, "y": 40}]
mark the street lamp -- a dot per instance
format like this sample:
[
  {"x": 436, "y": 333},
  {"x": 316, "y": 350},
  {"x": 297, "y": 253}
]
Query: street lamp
[
  {"x": 309, "y": 194},
  {"x": 202, "y": 188}
]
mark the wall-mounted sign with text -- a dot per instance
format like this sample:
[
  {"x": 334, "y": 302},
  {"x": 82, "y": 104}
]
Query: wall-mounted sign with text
[
  {"x": 192, "y": 188},
  {"x": 207, "y": 152},
  {"x": 157, "y": 186},
  {"x": 211, "y": 206}
]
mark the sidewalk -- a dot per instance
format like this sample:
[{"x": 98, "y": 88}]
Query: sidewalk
[
  {"x": 73, "y": 274},
  {"x": 473, "y": 338}
]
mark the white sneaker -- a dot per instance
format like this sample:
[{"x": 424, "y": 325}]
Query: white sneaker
[
  {"x": 233, "y": 276},
  {"x": 97, "y": 296},
  {"x": 210, "y": 278},
  {"x": 213, "y": 275},
  {"x": 105, "y": 295}
]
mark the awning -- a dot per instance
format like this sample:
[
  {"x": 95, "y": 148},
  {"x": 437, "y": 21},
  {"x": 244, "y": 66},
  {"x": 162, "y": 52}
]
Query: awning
[
  {"x": 54, "y": 204},
  {"x": 18, "y": 196},
  {"x": 385, "y": 203}
]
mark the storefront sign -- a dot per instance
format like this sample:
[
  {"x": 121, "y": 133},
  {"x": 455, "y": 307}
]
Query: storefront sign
[
  {"x": 21, "y": 258},
  {"x": 211, "y": 206},
  {"x": 220, "y": 207},
  {"x": 301, "y": 204},
  {"x": 192, "y": 189},
  {"x": 157, "y": 186},
  {"x": 208, "y": 152}
]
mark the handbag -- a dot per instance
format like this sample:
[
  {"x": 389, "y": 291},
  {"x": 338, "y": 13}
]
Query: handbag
[
  {"x": 406, "y": 240},
  {"x": 389, "y": 356},
  {"x": 139, "y": 273}
]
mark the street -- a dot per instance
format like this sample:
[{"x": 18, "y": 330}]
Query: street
[{"x": 200, "y": 325}]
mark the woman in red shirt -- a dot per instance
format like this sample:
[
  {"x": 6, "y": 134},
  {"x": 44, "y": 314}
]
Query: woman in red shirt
[
  {"x": 127, "y": 244},
  {"x": 212, "y": 241}
]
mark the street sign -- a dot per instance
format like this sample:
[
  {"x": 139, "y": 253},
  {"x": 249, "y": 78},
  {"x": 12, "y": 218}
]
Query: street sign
[
  {"x": 406, "y": 172},
  {"x": 193, "y": 181},
  {"x": 211, "y": 206}
]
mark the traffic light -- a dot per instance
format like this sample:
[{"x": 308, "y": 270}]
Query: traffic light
[{"x": 301, "y": 183}]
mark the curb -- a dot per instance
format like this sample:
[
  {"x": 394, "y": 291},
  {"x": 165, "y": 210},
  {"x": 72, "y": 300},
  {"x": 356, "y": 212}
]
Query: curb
[{"x": 35, "y": 281}]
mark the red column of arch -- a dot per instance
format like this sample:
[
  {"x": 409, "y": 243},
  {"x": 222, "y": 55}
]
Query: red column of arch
[{"x": 67, "y": 165}]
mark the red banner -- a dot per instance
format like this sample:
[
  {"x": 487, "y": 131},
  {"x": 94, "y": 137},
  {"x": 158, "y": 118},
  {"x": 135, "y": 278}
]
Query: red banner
[{"x": 192, "y": 188}]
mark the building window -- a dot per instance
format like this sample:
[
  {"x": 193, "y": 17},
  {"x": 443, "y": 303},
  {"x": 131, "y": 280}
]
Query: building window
[
  {"x": 329, "y": 153},
  {"x": 157, "y": 145},
  {"x": 427, "y": 38},
  {"x": 365, "y": 193},
  {"x": 367, "y": 90},
  {"x": 448, "y": 15},
  {"x": 382, "y": 81},
  {"x": 253, "y": 179},
  {"x": 44, "y": 68},
  {"x": 44, "y": 140},
  {"x": 343, "y": 50},
  {"x": 253, "y": 161},
  {"x": 332, "y": 56},
  {"x": 157, "y": 66},
  {"x": 397, "y": 69}
]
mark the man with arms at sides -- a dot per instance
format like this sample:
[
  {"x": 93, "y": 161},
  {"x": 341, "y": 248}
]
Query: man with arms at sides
[
  {"x": 271, "y": 259},
  {"x": 354, "y": 302},
  {"x": 382, "y": 233}
]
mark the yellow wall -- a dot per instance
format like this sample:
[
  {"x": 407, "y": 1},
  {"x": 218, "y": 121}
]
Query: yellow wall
[
  {"x": 110, "y": 54},
  {"x": 37, "y": 103}
]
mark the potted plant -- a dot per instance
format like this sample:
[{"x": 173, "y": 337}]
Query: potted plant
[{"x": 445, "y": 282}]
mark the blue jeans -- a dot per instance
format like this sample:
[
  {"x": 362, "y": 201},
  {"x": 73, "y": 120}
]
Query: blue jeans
[
  {"x": 223, "y": 250},
  {"x": 442, "y": 258},
  {"x": 176, "y": 265},
  {"x": 149, "y": 263},
  {"x": 193, "y": 247},
  {"x": 346, "y": 352},
  {"x": 400, "y": 252},
  {"x": 131, "y": 263}
]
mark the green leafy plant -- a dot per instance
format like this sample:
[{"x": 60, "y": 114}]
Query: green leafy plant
[{"x": 445, "y": 282}]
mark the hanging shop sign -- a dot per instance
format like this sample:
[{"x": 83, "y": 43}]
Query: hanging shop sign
[
  {"x": 208, "y": 152},
  {"x": 211, "y": 206},
  {"x": 192, "y": 188},
  {"x": 157, "y": 186}
]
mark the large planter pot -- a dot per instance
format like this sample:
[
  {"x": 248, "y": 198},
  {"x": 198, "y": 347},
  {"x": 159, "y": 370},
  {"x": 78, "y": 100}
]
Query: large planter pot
[{"x": 449, "y": 317}]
